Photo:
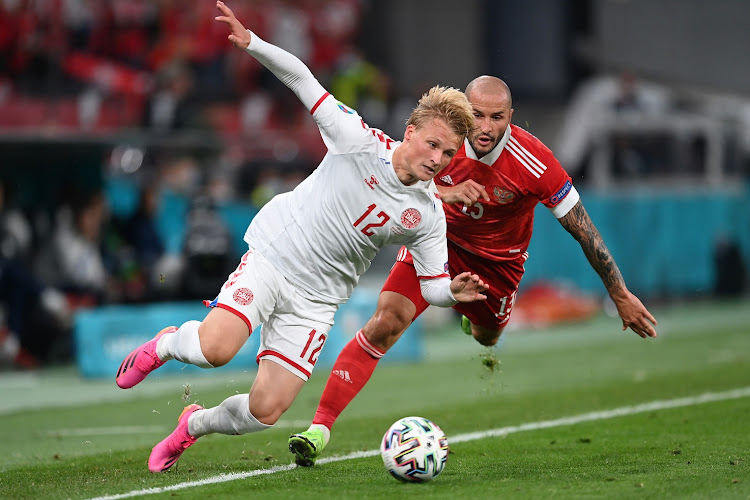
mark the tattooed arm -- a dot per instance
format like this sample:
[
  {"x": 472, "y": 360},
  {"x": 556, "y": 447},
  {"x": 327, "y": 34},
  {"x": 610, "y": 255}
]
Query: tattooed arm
[{"x": 633, "y": 313}]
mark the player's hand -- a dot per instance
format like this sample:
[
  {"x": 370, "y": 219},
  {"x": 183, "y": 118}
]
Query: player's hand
[
  {"x": 467, "y": 192},
  {"x": 467, "y": 287},
  {"x": 635, "y": 315},
  {"x": 239, "y": 36}
]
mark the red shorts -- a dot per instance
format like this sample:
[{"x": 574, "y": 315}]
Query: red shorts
[{"x": 502, "y": 277}]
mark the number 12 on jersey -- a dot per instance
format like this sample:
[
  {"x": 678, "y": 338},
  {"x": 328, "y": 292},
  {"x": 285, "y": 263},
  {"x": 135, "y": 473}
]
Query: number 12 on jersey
[{"x": 384, "y": 217}]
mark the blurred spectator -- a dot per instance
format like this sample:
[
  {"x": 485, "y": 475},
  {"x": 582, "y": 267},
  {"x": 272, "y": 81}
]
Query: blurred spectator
[
  {"x": 74, "y": 260},
  {"x": 143, "y": 248},
  {"x": 594, "y": 104},
  {"x": 172, "y": 107},
  {"x": 207, "y": 250},
  {"x": 180, "y": 174},
  {"x": 729, "y": 267},
  {"x": 15, "y": 229},
  {"x": 33, "y": 315},
  {"x": 255, "y": 111},
  {"x": 360, "y": 84},
  {"x": 334, "y": 27},
  {"x": 260, "y": 180},
  {"x": 289, "y": 27},
  {"x": 742, "y": 110}
]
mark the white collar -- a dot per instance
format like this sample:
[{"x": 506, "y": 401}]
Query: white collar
[{"x": 493, "y": 155}]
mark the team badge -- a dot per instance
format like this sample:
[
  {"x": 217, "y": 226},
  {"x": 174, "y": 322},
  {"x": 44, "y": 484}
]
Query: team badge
[
  {"x": 243, "y": 296},
  {"x": 411, "y": 218},
  {"x": 503, "y": 196}
]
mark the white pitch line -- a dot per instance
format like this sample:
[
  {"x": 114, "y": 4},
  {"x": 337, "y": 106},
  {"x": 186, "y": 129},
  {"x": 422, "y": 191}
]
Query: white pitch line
[{"x": 708, "y": 397}]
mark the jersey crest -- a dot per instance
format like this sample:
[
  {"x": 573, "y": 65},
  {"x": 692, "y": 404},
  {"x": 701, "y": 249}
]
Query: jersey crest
[
  {"x": 243, "y": 296},
  {"x": 411, "y": 218},
  {"x": 502, "y": 195}
]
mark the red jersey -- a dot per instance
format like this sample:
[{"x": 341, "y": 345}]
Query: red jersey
[{"x": 517, "y": 174}]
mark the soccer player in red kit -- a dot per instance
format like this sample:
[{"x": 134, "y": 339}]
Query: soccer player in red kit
[{"x": 489, "y": 190}]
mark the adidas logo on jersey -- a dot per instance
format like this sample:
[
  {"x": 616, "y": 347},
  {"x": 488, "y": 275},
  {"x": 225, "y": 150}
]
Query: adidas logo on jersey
[
  {"x": 343, "y": 375},
  {"x": 447, "y": 179}
]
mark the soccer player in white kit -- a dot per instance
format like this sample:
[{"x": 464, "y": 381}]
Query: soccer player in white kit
[{"x": 307, "y": 249}]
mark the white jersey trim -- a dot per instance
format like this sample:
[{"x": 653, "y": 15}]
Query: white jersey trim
[{"x": 491, "y": 157}]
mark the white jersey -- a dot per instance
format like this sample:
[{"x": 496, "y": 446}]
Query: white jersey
[{"x": 323, "y": 235}]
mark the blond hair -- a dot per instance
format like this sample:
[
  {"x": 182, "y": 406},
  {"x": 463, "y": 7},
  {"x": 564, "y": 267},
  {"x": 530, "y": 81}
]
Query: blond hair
[{"x": 447, "y": 104}]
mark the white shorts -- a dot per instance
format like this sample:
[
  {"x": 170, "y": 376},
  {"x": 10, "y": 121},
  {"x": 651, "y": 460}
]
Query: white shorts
[{"x": 294, "y": 328}]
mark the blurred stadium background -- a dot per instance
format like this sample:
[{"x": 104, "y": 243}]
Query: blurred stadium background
[{"x": 136, "y": 144}]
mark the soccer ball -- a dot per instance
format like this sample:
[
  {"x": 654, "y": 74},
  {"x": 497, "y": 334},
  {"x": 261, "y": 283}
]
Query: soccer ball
[{"x": 414, "y": 450}]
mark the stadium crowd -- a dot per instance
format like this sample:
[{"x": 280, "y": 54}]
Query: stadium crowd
[
  {"x": 82, "y": 68},
  {"x": 87, "y": 68},
  {"x": 127, "y": 61}
]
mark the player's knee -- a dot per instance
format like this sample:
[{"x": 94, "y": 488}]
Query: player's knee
[
  {"x": 486, "y": 337},
  {"x": 220, "y": 340},
  {"x": 267, "y": 409},
  {"x": 486, "y": 341},
  {"x": 215, "y": 352},
  {"x": 385, "y": 328}
]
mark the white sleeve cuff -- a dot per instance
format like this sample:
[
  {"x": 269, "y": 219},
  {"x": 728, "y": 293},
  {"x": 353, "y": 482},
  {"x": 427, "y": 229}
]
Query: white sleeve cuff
[
  {"x": 562, "y": 209},
  {"x": 437, "y": 292}
]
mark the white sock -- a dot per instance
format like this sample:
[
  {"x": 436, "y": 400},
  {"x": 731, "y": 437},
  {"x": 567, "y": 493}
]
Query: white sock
[
  {"x": 183, "y": 345},
  {"x": 231, "y": 417},
  {"x": 326, "y": 431}
]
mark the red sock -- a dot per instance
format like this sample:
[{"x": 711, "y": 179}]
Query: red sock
[{"x": 350, "y": 373}]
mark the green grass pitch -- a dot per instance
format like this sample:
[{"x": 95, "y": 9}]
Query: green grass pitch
[{"x": 678, "y": 432}]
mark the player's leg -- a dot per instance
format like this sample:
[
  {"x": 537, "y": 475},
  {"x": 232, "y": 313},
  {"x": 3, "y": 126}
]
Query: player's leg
[
  {"x": 399, "y": 303},
  {"x": 352, "y": 369},
  {"x": 249, "y": 295},
  {"x": 215, "y": 340},
  {"x": 212, "y": 342},
  {"x": 142, "y": 361},
  {"x": 487, "y": 336},
  {"x": 486, "y": 320},
  {"x": 289, "y": 347},
  {"x": 359, "y": 357},
  {"x": 271, "y": 394}
]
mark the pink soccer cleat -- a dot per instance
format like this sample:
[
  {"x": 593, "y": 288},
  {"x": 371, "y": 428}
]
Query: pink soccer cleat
[
  {"x": 165, "y": 454},
  {"x": 139, "y": 363}
]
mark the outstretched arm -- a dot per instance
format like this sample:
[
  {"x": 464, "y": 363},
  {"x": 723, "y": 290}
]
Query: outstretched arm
[
  {"x": 444, "y": 292},
  {"x": 633, "y": 313},
  {"x": 288, "y": 68}
]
